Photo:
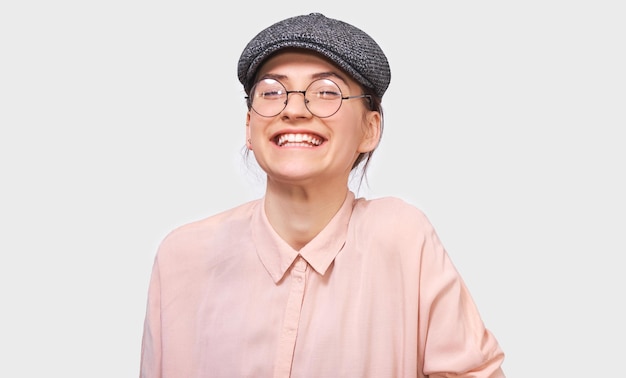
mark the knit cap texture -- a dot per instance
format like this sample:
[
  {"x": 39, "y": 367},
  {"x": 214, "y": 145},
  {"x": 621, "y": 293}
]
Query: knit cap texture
[{"x": 347, "y": 46}]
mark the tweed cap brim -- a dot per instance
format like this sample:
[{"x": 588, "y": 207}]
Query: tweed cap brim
[{"x": 347, "y": 46}]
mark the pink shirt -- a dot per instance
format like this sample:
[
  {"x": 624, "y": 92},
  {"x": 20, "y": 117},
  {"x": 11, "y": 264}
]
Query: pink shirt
[{"x": 373, "y": 295}]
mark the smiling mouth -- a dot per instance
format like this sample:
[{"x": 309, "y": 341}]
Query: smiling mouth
[{"x": 298, "y": 140}]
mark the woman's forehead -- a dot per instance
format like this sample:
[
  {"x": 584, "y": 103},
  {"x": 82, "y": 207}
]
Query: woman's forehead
[{"x": 295, "y": 64}]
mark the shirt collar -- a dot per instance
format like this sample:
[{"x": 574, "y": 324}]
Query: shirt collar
[{"x": 277, "y": 256}]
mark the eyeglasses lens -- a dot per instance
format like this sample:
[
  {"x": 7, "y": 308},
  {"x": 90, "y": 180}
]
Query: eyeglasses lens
[{"x": 322, "y": 97}]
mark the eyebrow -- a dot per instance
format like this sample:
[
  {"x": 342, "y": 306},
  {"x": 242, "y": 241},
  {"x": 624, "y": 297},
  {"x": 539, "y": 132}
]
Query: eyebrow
[
  {"x": 325, "y": 75},
  {"x": 316, "y": 76}
]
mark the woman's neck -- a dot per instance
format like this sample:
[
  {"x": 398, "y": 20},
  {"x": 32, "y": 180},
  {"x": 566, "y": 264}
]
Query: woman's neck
[{"x": 298, "y": 214}]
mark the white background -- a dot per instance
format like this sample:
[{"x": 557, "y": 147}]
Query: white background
[{"x": 121, "y": 120}]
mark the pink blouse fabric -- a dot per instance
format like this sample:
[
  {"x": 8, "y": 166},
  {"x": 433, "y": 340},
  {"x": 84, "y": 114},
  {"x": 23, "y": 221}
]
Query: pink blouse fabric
[{"x": 372, "y": 295}]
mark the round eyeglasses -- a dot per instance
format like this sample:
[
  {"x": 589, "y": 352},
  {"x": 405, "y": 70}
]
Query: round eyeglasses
[{"x": 322, "y": 97}]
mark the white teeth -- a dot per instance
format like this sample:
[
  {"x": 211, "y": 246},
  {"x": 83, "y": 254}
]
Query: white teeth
[{"x": 299, "y": 139}]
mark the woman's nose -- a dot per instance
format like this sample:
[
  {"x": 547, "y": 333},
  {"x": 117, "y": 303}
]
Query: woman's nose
[{"x": 296, "y": 104}]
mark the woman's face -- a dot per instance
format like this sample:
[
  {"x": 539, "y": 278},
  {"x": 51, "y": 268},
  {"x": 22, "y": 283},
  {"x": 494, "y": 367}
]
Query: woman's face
[{"x": 326, "y": 148}]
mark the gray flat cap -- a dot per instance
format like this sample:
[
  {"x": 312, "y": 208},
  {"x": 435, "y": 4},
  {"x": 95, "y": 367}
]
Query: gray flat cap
[{"x": 347, "y": 46}]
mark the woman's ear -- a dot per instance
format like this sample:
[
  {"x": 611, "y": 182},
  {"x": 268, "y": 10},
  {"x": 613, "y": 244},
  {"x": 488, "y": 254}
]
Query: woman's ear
[
  {"x": 248, "y": 137},
  {"x": 372, "y": 132}
]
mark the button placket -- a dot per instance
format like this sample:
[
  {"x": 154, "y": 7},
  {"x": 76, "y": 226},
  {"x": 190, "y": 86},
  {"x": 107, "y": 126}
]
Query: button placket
[{"x": 293, "y": 309}]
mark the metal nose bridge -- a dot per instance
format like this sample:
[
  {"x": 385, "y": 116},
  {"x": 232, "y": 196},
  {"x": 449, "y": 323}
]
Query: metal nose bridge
[{"x": 287, "y": 93}]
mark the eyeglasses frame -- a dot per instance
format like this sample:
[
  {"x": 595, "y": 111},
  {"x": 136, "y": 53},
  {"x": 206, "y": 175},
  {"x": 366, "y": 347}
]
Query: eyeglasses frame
[{"x": 306, "y": 101}]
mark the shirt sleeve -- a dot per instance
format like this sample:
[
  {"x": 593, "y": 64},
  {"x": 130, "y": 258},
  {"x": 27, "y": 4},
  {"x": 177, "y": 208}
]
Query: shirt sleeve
[
  {"x": 151, "y": 342},
  {"x": 453, "y": 339}
]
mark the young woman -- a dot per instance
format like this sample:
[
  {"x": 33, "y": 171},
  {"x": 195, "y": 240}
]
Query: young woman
[{"x": 310, "y": 281}]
